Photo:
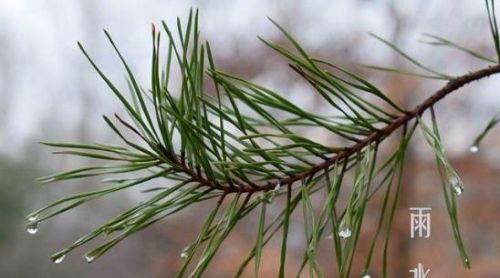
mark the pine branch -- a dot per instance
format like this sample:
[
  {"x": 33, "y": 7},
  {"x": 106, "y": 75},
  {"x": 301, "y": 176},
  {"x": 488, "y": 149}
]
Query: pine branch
[
  {"x": 220, "y": 153},
  {"x": 375, "y": 136}
]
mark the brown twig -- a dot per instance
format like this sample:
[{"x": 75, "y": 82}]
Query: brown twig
[{"x": 375, "y": 136}]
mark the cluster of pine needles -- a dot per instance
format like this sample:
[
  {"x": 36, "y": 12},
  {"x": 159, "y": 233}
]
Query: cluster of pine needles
[{"x": 201, "y": 140}]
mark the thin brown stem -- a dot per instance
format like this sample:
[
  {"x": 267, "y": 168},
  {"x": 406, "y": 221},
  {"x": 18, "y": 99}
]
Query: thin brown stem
[{"x": 373, "y": 137}]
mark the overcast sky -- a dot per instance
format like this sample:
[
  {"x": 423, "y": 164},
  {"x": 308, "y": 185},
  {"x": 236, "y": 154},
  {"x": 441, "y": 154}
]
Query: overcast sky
[{"x": 46, "y": 86}]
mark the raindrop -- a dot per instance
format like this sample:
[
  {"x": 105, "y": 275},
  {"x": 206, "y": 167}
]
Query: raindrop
[
  {"x": 366, "y": 276},
  {"x": 58, "y": 259},
  {"x": 184, "y": 255},
  {"x": 32, "y": 228},
  {"x": 345, "y": 232},
  {"x": 474, "y": 149},
  {"x": 457, "y": 187},
  {"x": 89, "y": 258}
]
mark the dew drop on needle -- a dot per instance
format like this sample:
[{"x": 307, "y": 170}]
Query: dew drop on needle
[
  {"x": 345, "y": 232},
  {"x": 474, "y": 149},
  {"x": 32, "y": 228}
]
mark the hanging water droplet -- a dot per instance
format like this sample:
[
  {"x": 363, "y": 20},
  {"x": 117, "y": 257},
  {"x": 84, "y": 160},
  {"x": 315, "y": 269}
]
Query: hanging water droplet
[
  {"x": 58, "y": 259},
  {"x": 32, "y": 228},
  {"x": 474, "y": 148},
  {"x": 89, "y": 258},
  {"x": 366, "y": 276},
  {"x": 184, "y": 255},
  {"x": 345, "y": 232},
  {"x": 33, "y": 217},
  {"x": 456, "y": 185}
]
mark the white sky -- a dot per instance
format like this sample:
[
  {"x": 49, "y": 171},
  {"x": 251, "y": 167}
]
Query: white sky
[{"x": 44, "y": 78}]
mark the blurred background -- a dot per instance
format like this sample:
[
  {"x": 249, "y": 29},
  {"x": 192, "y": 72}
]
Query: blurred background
[{"x": 48, "y": 92}]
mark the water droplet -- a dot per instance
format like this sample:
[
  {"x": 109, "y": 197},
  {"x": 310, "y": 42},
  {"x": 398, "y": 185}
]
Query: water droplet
[
  {"x": 33, "y": 217},
  {"x": 474, "y": 149},
  {"x": 32, "y": 228},
  {"x": 89, "y": 258},
  {"x": 184, "y": 255},
  {"x": 456, "y": 184},
  {"x": 58, "y": 259},
  {"x": 345, "y": 232},
  {"x": 366, "y": 276}
]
